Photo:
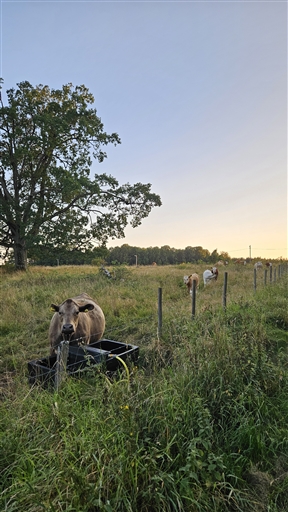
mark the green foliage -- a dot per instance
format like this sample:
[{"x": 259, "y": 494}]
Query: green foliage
[
  {"x": 200, "y": 425},
  {"x": 160, "y": 255},
  {"x": 47, "y": 141},
  {"x": 124, "y": 255}
]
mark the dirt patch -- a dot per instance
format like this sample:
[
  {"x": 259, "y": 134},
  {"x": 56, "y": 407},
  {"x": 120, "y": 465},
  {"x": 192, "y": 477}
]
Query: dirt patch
[
  {"x": 260, "y": 483},
  {"x": 263, "y": 484}
]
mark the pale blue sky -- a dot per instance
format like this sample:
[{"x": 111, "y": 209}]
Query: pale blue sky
[{"x": 197, "y": 91}]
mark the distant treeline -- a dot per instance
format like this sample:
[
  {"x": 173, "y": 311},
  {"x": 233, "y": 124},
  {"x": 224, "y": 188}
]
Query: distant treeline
[{"x": 126, "y": 254}]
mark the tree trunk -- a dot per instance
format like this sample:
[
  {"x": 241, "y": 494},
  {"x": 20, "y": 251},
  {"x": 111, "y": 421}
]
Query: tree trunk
[{"x": 20, "y": 255}]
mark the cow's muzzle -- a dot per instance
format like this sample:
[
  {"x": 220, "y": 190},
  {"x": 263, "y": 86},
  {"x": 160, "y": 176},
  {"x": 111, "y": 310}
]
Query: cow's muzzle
[{"x": 67, "y": 329}]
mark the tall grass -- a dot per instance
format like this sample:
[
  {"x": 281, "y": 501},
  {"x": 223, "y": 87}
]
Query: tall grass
[{"x": 201, "y": 424}]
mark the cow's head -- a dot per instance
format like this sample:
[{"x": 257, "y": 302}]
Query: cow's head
[
  {"x": 68, "y": 313},
  {"x": 214, "y": 271}
]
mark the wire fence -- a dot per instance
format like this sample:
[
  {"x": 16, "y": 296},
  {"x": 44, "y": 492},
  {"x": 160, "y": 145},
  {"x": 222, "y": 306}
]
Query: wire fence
[{"x": 271, "y": 275}]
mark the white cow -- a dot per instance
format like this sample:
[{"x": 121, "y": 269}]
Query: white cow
[
  {"x": 258, "y": 265},
  {"x": 209, "y": 275}
]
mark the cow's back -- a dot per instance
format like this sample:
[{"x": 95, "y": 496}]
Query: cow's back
[{"x": 93, "y": 322}]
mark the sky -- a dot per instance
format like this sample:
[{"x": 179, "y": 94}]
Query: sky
[{"x": 196, "y": 90}]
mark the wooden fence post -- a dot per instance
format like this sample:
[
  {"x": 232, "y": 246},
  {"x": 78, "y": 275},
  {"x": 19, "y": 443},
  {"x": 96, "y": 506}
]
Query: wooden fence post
[
  {"x": 255, "y": 279},
  {"x": 275, "y": 273},
  {"x": 279, "y": 272},
  {"x": 159, "y": 312},
  {"x": 265, "y": 276},
  {"x": 193, "y": 298},
  {"x": 225, "y": 290},
  {"x": 271, "y": 272},
  {"x": 61, "y": 363}
]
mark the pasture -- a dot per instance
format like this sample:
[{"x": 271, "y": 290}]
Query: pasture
[{"x": 201, "y": 424}]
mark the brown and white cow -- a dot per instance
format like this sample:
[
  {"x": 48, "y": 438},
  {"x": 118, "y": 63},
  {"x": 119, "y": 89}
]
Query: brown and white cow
[
  {"x": 209, "y": 275},
  {"x": 77, "y": 318},
  {"x": 188, "y": 280}
]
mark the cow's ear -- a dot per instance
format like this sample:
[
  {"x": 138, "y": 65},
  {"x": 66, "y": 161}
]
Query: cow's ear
[
  {"x": 54, "y": 308},
  {"x": 86, "y": 308}
]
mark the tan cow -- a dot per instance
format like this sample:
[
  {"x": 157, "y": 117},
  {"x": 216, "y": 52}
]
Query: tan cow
[
  {"x": 79, "y": 317},
  {"x": 188, "y": 280},
  {"x": 240, "y": 262}
]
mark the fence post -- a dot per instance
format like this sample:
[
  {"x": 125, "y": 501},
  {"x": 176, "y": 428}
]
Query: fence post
[
  {"x": 255, "y": 280},
  {"x": 159, "y": 312},
  {"x": 265, "y": 276},
  {"x": 61, "y": 363},
  {"x": 271, "y": 272},
  {"x": 275, "y": 273},
  {"x": 279, "y": 272},
  {"x": 225, "y": 290},
  {"x": 193, "y": 298}
]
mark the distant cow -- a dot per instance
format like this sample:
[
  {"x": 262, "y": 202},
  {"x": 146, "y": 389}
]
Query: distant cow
[
  {"x": 240, "y": 262},
  {"x": 188, "y": 280},
  {"x": 209, "y": 275},
  {"x": 214, "y": 271},
  {"x": 78, "y": 317},
  {"x": 219, "y": 263},
  {"x": 258, "y": 265},
  {"x": 268, "y": 264},
  {"x": 106, "y": 272}
]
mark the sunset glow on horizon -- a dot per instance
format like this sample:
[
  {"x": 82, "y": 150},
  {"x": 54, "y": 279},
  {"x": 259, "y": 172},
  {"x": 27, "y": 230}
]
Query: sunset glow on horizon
[{"x": 197, "y": 92}]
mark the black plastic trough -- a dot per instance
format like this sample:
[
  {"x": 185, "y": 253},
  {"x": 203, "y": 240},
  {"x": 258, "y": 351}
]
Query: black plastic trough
[{"x": 103, "y": 352}]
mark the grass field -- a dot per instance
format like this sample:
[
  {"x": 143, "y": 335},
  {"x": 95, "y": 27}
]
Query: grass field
[{"x": 201, "y": 424}]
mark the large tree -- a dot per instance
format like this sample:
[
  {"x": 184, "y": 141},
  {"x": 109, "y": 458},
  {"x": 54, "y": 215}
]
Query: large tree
[{"x": 48, "y": 140}]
